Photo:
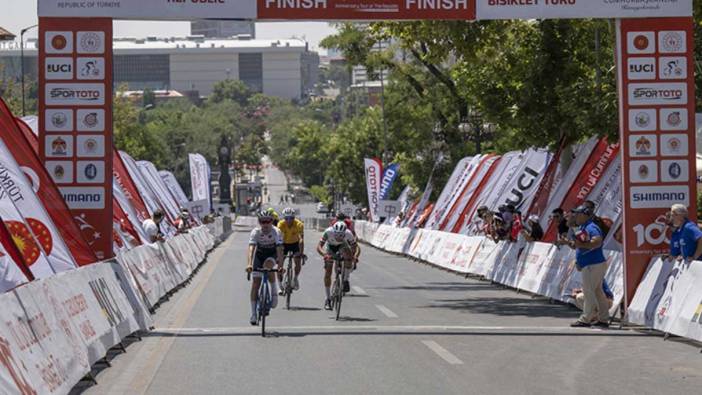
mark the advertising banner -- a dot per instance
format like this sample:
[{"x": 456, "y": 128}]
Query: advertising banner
[
  {"x": 374, "y": 169},
  {"x": 545, "y": 9},
  {"x": 657, "y": 127},
  {"x": 75, "y": 119},
  {"x": 448, "y": 193},
  {"x": 543, "y": 192},
  {"x": 455, "y": 217},
  {"x": 390, "y": 173},
  {"x": 131, "y": 193},
  {"x": 25, "y": 147},
  {"x": 173, "y": 186},
  {"x": 139, "y": 9},
  {"x": 366, "y": 10},
  {"x": 457, "y": 192},
  {"x": 200, "y": 178},
  {"x": 13, "y": 271},
  {"x": 155, "y": 182},
  {"x": 524, "y": 182}
]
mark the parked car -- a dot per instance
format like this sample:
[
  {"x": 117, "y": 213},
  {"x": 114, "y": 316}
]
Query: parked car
[{"x": 322, "y": 208}]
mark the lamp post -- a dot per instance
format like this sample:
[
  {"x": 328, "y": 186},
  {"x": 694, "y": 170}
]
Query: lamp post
[
  {"x": 24, "y": 110},
  {"x": 475, "y": 130}
]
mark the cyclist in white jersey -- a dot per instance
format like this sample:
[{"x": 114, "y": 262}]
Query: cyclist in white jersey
[
  {"x": 337, "y": 241},
  {"x": 265, "y": 251}
]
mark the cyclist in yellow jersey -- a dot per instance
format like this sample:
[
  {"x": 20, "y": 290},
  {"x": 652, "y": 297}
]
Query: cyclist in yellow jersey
[{"x": 293, "y": 231}]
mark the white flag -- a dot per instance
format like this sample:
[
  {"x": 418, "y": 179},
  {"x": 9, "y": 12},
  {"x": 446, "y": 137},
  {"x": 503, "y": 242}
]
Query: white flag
[
  {"x": 200, "y": 178},
  {"x": 174, "y": 187},
  {"x": 374, "y": 173}
]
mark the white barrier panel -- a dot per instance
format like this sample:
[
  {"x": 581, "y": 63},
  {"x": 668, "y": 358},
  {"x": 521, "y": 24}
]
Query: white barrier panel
[
  {"x": 486, "y": 256},
  {"x": 504, "y": 270},
  {"x": 246, "y": 222},
  {"x": 532, "y": 265},
  {"x": 52, "y": 330},
  {"x": 669, "y": 298}
]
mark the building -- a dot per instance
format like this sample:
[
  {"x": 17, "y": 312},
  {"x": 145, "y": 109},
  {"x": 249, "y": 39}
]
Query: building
[
  {"x": 222, "y": 29},
  {"x": 282, "y": 68}
]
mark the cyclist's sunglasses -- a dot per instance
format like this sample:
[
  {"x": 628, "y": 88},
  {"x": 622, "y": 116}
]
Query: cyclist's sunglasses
[
  {"x": 289, "y": 218},
  {"x": 265, "y": 221}
]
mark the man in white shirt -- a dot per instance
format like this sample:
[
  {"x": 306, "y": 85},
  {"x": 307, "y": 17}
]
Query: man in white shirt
[{"x": 152, "y": 227}]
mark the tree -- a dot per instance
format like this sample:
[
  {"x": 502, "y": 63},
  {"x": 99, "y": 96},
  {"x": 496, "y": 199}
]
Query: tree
[{"x": 234, "y": 90}]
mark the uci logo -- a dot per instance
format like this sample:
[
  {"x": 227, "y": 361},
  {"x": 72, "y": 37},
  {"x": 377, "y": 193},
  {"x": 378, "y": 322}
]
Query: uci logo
[
  {"x": 641, "y": 68},
  {"x": 59, "y": 68}
]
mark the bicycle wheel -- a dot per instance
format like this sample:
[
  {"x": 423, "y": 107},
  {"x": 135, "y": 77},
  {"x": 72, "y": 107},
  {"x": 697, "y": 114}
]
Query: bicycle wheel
[
  {"x": 288, "y": 288},
  {"x": 339, "y": 291},
  {"x": 264, "y": 304}
]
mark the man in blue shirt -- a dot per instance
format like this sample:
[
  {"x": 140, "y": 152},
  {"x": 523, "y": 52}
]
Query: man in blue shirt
[
  {"x": 591, "y": 262},
  {"x": 686, "y": 239}
]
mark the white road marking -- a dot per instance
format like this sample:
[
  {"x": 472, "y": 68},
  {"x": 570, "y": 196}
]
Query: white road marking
[
  {"x": 411, "y": 329},
  {"x": 442, "y": 352},
  {"x": 359, "y": 290},
  {"x": 388, "y": 313}
]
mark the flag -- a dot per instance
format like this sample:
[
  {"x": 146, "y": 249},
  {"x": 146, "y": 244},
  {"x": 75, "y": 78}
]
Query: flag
[
  {"x": 200, "y": 179},
  {"x": 389, "y": 176},
  {"x": 16, "y": 134},
  {"x": 174, "y": 187},
  {"x": 374, "y": 170},
  {"x": 13, "y": 271}
]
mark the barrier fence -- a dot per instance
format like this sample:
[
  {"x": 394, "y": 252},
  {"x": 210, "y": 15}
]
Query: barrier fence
[{"x": 54, "y": 329}]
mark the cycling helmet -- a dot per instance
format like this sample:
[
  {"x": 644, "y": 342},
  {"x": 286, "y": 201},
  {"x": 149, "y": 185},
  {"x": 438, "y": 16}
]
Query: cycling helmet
[
  {"x": 264, "y": 215},
  {"x": 341, "y": 216},
  {"x": 289, "y": 212},
  {"x": 339, "y": 228}
]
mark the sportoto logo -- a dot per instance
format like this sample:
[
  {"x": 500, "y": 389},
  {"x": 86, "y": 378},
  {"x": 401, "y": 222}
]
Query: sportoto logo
[
  {"x": 75, "y": 94},
  {"x": 645, "y": 94},
  {"x": 91, "y": 42},
  {"x": 672, "y": 41}
]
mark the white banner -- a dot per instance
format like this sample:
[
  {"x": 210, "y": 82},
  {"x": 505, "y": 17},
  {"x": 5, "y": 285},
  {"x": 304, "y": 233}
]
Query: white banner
[
  {"x": 470, "y": 189},
  {"x": 155, "y": 182},
  {"x": 447, "y": 194},
  {"x": 174, "y": 187},
  {"x": 457, "y": 192},
  {"x": 200, "y": 178},
  {"x": 374, "y": 171},
  {"x": 34, "y": 224},
  {"x": 129, "y": 210},
  {"x": 154, "y": 10},
  {"x": 545, "y": 9},
  {"x": 525, "y": 180},
  {"x": 10, "y": 274}
]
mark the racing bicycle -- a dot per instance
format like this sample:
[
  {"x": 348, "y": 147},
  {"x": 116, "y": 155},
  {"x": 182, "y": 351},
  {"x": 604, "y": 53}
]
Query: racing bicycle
[
  {"x": 288, "y": 286},
  {"x": 263, "y": 302}
]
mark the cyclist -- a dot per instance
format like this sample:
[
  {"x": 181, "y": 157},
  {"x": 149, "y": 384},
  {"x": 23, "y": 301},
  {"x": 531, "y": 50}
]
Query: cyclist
[
  {"x": 274, "y": 214},
  {"x": 265, "y": 251},
  {"x": 345, "y": 219},
  {"x": 337, "y": 239},
  {"x": 293, "y": 231}
]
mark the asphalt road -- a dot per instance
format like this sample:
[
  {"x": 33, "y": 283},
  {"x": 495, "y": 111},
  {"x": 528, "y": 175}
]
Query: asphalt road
[{"x": 406, "y": 328}]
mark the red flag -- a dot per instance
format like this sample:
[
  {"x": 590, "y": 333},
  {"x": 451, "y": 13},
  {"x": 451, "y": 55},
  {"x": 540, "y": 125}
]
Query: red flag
[
  {"x": 123, "y": 178},
  {"x": 598, "y": 162},
  {"x": 26, "y": 156},
  {"x": 9, "y": 247},
  {"x": 544, "y": 192}
]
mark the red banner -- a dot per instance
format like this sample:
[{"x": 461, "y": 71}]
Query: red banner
[
  {"x": 366, "y": 9},
  {"x": 123, "y": 178},
  {"x": 75, "y": 120},
  {"x": 601, "y": 157},
  {"x": 25, "y": 154},
  {"x": 469, "y": 210},
  {"x": 657, "y": 127},
  {"x": 544, "y": 192}
]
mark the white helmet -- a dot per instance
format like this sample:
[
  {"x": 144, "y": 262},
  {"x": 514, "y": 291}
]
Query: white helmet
[
  {"x": 339, "y": 228},
  {"x": 289, "y": 212}
]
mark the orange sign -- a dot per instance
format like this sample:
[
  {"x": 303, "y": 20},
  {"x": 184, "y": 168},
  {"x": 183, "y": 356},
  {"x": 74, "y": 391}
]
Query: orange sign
[{"x": 657, "y": 128}]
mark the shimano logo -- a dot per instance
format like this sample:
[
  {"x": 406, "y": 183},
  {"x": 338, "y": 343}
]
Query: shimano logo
[
  {"x": 67, "y": 93},
  {"x": 659, "y": 196},
  {"x": 652, "y": 93},
  {"x": 82, "y": 197}
]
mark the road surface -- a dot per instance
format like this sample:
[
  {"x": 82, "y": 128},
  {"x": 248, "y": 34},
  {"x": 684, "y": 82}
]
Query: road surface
[{"x": 406, "y": 328}]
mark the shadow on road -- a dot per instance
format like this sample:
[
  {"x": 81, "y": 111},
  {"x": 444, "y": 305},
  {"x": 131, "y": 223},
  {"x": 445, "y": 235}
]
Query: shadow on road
[
  {"x": 443, "y": 286},
  {"x": 305, "y": 308},
  {"x": 354, "y": 319},
  {"x": 505, "y": 306}
]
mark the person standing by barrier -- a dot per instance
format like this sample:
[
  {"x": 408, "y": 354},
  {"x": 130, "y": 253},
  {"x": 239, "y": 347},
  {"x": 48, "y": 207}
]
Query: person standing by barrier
[
  {"x": 558, "y": 217},
  {"x": 591, "y": 262},
  {"x": 533, "y": 231},
  {"x": 152, "y": 226},
  {"x": 686, "y": 239}
]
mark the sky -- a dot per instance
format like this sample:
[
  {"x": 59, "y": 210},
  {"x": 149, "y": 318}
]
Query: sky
[{"x": 18, "y": 14}]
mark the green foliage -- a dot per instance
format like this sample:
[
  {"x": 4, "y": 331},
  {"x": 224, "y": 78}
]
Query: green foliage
[
  {"x": 234, "y": 90},
  {"x": 320, "y": 193}
]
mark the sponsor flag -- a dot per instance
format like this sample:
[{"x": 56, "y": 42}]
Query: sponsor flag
[
  {"x": 200, "y": 179},
  {"x": 456, "y": 187},
  {"x": 128, "y": 187},
  {"x": 13, "y": 271},
  {"x": 154, "y": 181},
  {"x": 174, "y": 187},
  {"x": 33, "y": 222},
  {"x": 374, "y": 169},
  {"x": 472, "y": 191},
  {"x": 538, "y": 205},
  {"x": 16, "y": 134},
  {"x": 420, "y": 208},
  {"x": 447, "y": 193},
  {"x": 467, "y": 190},
  {"x": 601, "y": 157},
  {"x": 389, "y": 176}
]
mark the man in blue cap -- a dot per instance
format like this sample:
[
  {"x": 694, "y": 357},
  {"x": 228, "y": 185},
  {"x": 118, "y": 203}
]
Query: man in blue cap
[{"x": 592, "y": 264}]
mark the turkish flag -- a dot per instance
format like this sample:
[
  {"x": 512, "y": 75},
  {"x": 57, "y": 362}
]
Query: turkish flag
[
  {"x": 24, "y": 145},
  {"x": 9, "y": 247}
]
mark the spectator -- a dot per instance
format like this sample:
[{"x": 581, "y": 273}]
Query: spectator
[
  {"x": 398, "y": 220},
  {"x": 152, "y": 227},
  {"x": 686, "y": 239},
  {"x": 182, "y": 223},
  {"x": 517, "y": 226},
  {"x": 533, "y": 231},
  {"x": 604, "y": 223},
  {"x": 569, "y": 235},
  {"x": 579, "y": 296},
  {"x": 499, "y": 230},
  {"x": 558, "y": 217},
  {"x": 590, "y": 261}
]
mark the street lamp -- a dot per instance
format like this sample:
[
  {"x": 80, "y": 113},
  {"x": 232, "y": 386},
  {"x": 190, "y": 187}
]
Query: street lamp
[
  {"x": 24, "y": 111},
  {"x": 475, "y": 130}
]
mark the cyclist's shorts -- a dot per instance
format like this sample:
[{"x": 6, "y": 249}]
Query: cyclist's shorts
[
  {"x": 262, "y": 255},
  {"x": 335, "y": 250},
  {"x": 292, "y": 247}
]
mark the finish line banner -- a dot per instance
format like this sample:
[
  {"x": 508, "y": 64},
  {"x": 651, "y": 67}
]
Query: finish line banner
[{"x": 364, "y": 9}]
